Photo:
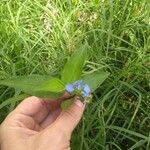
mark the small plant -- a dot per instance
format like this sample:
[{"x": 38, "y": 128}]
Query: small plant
[{"x": 72, "y": 80}]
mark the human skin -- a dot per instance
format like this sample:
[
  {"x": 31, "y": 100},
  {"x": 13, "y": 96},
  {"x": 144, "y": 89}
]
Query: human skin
[{"x": 36, "y": 124}]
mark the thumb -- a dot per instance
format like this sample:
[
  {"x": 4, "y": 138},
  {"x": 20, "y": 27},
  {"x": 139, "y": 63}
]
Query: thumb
[{"x": 69, "y": 119}]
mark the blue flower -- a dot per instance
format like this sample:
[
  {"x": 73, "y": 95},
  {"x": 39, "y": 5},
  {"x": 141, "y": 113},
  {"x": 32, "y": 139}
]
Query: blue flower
[
  {"x": 78, "y": 87},
  {"x": 78, "y": 84},
  {"x": 86, "y": 90},
  {"x": 69, "y": 88}
]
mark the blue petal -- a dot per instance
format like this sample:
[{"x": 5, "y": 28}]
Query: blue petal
[
  {"x": 78, "y": 84},
  {"x": 84, "y": 94},
  {"x": 79, "y": 81},
  {"x": 69, "y": 88},
  {"x": 86, "y": 89},
  {"x": 78, "y": 87}
]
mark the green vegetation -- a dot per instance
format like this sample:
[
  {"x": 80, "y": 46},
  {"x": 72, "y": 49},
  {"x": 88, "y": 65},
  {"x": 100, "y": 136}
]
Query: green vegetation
[{"x": 37, "y": 36}]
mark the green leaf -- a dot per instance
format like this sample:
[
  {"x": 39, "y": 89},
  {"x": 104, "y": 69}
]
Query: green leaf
[
  {"x": 52, "y": 88},
  {"x": 73, "y": 68},
  {"x": 95, "y": 79},
  {"x": 25, "y": 82},
  {"x": 34, "y": 85},
  {"x": 52, "y": 85},
  {"x": 45, "y": 94}
]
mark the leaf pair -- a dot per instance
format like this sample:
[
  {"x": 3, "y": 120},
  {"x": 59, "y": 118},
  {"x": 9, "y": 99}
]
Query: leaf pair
[{"x": 51, "y": 87}]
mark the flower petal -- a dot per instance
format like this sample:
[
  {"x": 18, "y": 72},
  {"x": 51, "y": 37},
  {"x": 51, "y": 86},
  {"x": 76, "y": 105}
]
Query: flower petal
[
  {"x": 78, "y": 84},
  {"x": 86, "y": 89},
  {"x": 84, "y": 94},
  {"x": 69, "y": 88}
]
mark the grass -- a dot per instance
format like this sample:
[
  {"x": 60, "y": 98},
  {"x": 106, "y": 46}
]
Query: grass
[{"x": 37, "y": 36}]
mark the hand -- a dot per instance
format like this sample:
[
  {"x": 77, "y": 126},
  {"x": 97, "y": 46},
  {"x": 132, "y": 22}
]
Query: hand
[{"x": 40, "y": 125}]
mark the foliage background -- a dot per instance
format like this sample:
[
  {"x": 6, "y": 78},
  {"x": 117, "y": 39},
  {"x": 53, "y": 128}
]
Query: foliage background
[{"x": 36, "y": 36}]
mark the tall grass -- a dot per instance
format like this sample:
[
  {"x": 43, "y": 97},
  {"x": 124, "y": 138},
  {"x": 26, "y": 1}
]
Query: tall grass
[{"x": 37, "y": 36}]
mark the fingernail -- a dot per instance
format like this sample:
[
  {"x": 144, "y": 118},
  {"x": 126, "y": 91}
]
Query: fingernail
[{"x": 79, "y": 103}]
